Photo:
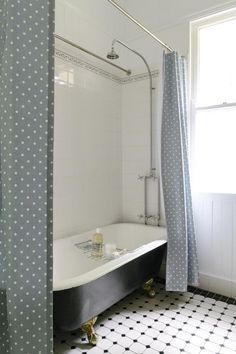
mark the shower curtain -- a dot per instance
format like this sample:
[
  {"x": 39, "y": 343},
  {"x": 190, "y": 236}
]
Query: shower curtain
[
  {"x": 26, "y": 133},
  {"x": 182, "y": 262}
]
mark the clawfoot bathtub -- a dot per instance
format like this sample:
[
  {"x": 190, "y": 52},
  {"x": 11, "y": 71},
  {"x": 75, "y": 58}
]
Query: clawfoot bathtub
[{"x": 85, "y": 286}]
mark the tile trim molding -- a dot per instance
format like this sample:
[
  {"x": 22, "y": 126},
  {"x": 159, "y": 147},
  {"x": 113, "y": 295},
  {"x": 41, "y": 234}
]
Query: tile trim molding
[
  {"x": 138, "y": 77},
  {"x": 87, "y": 66}
]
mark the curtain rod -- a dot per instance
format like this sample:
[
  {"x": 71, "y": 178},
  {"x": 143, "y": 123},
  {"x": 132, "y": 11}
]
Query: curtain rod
[
  {"x": 128, "y": 72},
  {"x": 140, "y": 25}
]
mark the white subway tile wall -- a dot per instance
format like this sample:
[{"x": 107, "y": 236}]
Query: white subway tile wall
[
  {"x": 88, "y": 156},
  {"x": 136, "y": 149}
]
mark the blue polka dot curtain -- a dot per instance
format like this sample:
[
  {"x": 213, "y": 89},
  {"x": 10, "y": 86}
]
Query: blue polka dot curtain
[
  {"x": 26, "y": 133},
  {"x": 182, "y": 262}
]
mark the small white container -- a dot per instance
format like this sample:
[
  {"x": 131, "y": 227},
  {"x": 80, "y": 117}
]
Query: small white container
[{"x": 109, "y": 248}]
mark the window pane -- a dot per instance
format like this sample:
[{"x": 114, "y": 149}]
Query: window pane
[
  {"x": 217, "y": 68},
  {"x": 215, "y": 151}
]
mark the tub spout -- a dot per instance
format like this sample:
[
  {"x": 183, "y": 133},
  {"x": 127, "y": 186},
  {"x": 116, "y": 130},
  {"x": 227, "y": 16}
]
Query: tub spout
[{"x": 88, "y": 328}]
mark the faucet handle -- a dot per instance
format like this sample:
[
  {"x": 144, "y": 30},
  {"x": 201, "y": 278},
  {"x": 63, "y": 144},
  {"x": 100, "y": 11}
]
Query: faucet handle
[
  {"x": 140, "y": 177},
  {"x": 154, "y": 217},
  {"x": 149, "y": 216}
]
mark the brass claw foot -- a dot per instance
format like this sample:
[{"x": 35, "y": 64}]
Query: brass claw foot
[
  {"x": 149, "y": 288},
  {"x": 88, "y": 328}
]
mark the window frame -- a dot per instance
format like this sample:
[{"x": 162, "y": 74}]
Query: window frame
[{"x": 195, "y": 27}]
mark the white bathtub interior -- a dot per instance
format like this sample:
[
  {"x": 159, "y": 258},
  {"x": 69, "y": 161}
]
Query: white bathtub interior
[{"x": 73, "y": 268}]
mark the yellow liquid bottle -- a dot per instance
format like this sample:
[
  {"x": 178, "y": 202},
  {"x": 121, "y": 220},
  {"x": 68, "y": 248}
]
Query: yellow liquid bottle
[{"x": 97, "y": 244}]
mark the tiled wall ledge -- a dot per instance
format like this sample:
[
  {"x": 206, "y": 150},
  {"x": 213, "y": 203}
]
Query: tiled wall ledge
[
  {"x": 211, "y": 284},
  {"x": 206, "y": 293},
  {"x": 218, "y": 285},
  {"x": 85, "y": 65}
]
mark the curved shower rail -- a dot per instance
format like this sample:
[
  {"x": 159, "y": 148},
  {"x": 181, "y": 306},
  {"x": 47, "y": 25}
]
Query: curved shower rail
[{"x": 113, "y": 55}]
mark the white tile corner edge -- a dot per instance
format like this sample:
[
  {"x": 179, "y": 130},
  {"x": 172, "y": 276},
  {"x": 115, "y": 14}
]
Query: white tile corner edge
[
  {"x": 233, "y": 292},
  {"x": 217, "y": 285},
  {"x": 210, "y": 283}
]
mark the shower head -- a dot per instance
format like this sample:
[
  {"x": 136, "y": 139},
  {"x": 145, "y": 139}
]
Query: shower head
[{"x": 112, "y": 54}]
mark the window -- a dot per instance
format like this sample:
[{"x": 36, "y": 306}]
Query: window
[{"x": 213, "y": 67}]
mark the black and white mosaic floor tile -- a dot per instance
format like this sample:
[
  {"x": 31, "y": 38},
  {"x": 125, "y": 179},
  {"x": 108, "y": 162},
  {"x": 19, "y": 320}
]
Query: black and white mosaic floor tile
[{"x": 171, "y": 323}]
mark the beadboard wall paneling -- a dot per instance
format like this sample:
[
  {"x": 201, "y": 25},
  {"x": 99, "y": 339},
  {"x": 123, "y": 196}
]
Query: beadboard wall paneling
[{"x": 215, "y": 219}]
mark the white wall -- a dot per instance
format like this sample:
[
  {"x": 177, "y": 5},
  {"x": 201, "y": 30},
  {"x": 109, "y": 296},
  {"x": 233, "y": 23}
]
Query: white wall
[
  {"x": 87, "y": 151},
  {"x": 87, "y": 148},
  {"x": 136, "y": 149},
  {"x": 215, "y": 217}
]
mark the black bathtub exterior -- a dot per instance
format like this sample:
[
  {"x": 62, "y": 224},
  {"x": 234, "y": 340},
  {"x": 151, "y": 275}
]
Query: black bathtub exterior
[{"x": 75, "y": 306}]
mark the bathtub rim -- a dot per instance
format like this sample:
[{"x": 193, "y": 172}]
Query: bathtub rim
[{"x": 101, "y": 270}]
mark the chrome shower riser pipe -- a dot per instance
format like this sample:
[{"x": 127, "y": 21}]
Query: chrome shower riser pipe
[{"x": 152, "y": 168}]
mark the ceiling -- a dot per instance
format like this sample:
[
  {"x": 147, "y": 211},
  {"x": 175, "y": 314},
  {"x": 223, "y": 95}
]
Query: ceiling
[{"x": 159, "y": 14}]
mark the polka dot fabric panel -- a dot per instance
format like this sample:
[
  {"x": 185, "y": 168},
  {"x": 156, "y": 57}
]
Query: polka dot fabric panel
[
  {"x": 182, "y": 262},
  {"x": 26, "y": 156}
]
